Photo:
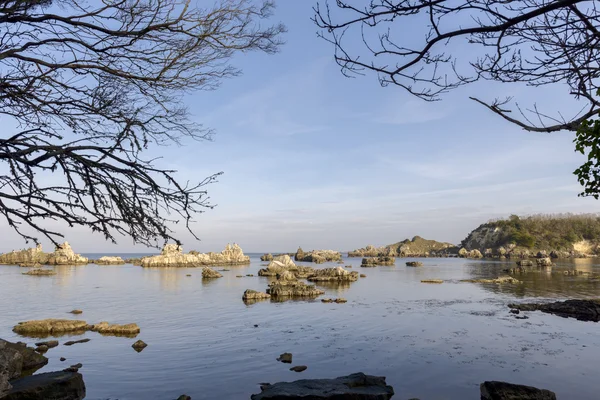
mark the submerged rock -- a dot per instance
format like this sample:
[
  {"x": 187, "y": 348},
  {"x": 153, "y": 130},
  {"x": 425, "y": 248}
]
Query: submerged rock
[
  {"x": 375, "y": 261},
  {"x": 414, "y": 264},
  {"x": 139, "y": 345},
  {"x": 40, "y": 272},
  {"x": 50, "y": 343},
  {"x": 49, "y": 327},
  {"x": 432, "y": 281},
  {"x": 72, "y": 342},
  {"x": 250, "y": 294},
  {"x": 499, "y": 280},
  {"x": 108, "y": 260},
  {"x": 115, "y": 329},
  {"x": 299, "y": 368},
  {"x": 333, "y": 274},
  {"x": 285, "y": 358},
  {"x": 583, "y": 310},
  {"x": 356, "y": 387},
  {"x": 75, "y": 312},
  {"x": 209, "y": 273},
  {"x": 172, "y": 256},
  {"x": 52, "y": 385},
  {"x": 507, "y": 391}
]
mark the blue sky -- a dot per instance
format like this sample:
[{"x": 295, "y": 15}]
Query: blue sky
[{"x": 317, "y": 160}]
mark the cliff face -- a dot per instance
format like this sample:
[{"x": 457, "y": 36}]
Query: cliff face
[
  {"x": 172, "y": 256},
  {"x": 63, "y": 255},
  {"x": 415, "y": 247},
  {"x": 557, "y": 236}
]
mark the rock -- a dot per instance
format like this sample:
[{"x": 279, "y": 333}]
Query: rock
[
  {"x": 326, "y": 300},
  {"x": 544, "y": 262},
  {"x": 266, "y": 257},
  {"x": 172, "y": 256},
  {"x": 72, "y": 342},
  {"x": 108, "y": 260},
  {"x": 250, "y": 294},
  {"x": 76, "y": 312},
  {"x": 188, "y": 275},
  {"x": 49, "y": 327},
  {"x": 40, "y": 272},
  {"x": 492, "y": 390},
  {"x": 184, "y": 397},
  {"x": 375, "y": 261},
  {"x": 515, "y": 311},
  {"x": 11, "y": 365},
  {"x": 31, "y": 361},
  {"x": 283, "y": 263},
  {"x": 250, "y": 275},
  {"x": 583, "y": 310},
  {"x": 139, "y": 345},
  {"x": 293, "y": 289},
  {"x": 414, "y": 264},
  {"x": 133, "y": 261},
  {"x": 340, "y": 300},
  {"x": 52, "y": 385},
  {"x": 115, "y": 329},
  {"x": 285, "y": 358},
  {"x": 356, "y": 387},
  {"x": 63, "y": 359},
  {"x": 299, "y": 368},
  {"x": 499, "y": 280},
  {"x": 64, "y": 255},
  {"x": 239, "y": 276},
  {"x": 363, "y": 275},
  {"x": 542, "y": 254},
  {"x": 432, "y": 281},
  {"x": 42, "y": 349},
  {"x": 338, "y": 274},
  {"x": 525, "y": 263},
  {"x": 347, "y": 266},
  {"x": 30, "y": 265},
  {"x": 318, "y": 256},
  {"x": 77, "y": 366},
  {"x": 463, "y": 253},
  {"x": 209, "y": 273}
]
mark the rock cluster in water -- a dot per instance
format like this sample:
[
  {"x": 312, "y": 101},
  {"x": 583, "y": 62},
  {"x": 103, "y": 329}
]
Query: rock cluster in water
[
  {"x": 377, "y": 261},
  {"x": 63, "y": 255},
  {"x": 318, "y": 256},
  {"x": 284, "y": 263},
  {"x": 172, "y": 256}
]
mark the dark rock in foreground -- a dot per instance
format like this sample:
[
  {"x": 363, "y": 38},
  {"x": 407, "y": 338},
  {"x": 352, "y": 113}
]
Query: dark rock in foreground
[
  {"x": 31, "y": 361},
  {"x": 352, "y": 387},
  {"x": 507, "y": 391},
  {"x": 52, "y": 385},
  {"x": 583, "y": 310}
]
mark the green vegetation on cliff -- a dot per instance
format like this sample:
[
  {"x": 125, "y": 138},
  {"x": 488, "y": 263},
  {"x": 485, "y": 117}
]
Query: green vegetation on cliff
[{"x": 543, "y": 232}]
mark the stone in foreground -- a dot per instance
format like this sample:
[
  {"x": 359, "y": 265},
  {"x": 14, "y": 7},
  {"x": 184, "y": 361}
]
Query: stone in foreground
[
  {"x": 583, "y": 310},
  {"x": 507, "y": 391},
  {"x": 52, "y": 385},
  {"x": 49, "y": 327},
  {"x": 356, "y": 387},
  {"x": 31, "y": 361}
]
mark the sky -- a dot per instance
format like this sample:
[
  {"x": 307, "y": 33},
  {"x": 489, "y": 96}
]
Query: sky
[{"x": 314, "y": 159}]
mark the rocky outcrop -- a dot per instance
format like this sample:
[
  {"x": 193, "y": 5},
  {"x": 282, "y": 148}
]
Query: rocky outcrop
[
  {"x": 209, "y": 273},
  {"x": 250, "y": 294},
  {"x": 583, "y": 310},
  {"x": 108, "y": 260},
  {"x": 544, "y": 262},
  {"x": 62, "y": 255},
  {"x": 356, "y": 387},
  {"x": 105, "y": 328},
  {"x": 464, "y": 253},
  {"x": 507, "y": 391},
  {"x": 318, "y": 256},
  {"x": 47, "y": 327},
  {"x": 172, "y": 256},
  {"x": 61, "y": 385},
  {"x": 284, "y": 263},
  {"x": 292, "y": 288},
  {"x": 377, "y": 261},
  {"x": 338, "y": 274},
  {"x": 415, "y": 247}
]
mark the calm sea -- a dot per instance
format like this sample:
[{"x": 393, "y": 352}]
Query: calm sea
[{"x": 430, "y": 341}]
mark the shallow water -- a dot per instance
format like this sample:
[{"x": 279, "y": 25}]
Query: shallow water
[{"x": 430, "y": 341}]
